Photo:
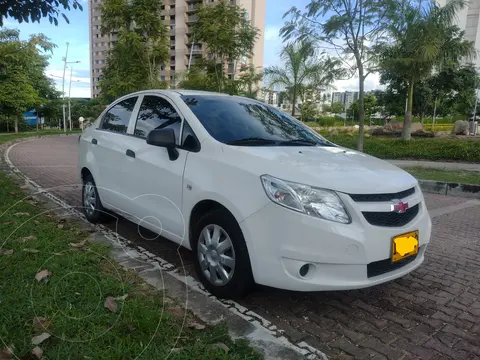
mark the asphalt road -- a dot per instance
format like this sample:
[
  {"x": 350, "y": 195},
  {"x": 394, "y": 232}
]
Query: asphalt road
[{"x": 432, "y": 313}]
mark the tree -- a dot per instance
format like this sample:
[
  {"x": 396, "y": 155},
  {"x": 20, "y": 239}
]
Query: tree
[
  {"x": 309, "y": 111},
  {"x": 337, "y": 108},
  {"x": 350, "y": 28},
  {"x": 248, "y": 82},
  {"x": 422, "y": 41},
  {"x": 227, "y": 34},
  {"x": 302, "y": 67},
  {"x": 26, "y": 10},
  {"x": 370, "y": 104},
  {"x": 454, "y": 88},
  {"x": 142, "y": 47},
  {"x": 23, "y": 83}
]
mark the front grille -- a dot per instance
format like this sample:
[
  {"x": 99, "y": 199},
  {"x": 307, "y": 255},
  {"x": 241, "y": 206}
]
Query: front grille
[
  {"x": 391, "y": 219},
  {"x": 383, "y": 266},
  {"x": 382, "y": 197}
]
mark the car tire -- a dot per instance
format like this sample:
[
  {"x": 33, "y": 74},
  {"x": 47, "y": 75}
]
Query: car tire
[
  {"x": 231, "y": 245},
  {"x": 91, "y": 205}
]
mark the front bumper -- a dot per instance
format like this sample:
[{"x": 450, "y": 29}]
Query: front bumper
[{"x": 281, "y": 241}]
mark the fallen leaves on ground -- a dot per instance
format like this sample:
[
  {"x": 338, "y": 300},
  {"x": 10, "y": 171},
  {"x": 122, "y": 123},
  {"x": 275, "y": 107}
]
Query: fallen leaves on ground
[
  {"x": 42, "y": 275},
  {"x": 37, "y": 340},
  {"x": 110, "y": 304},
  {"x": 121, "y": 298},
  {"x": 22, "y": 214},
  {"x": 27, "y": 238},
  {"x": 37, "y": 352},
  {"x": 36, "y": 222},
  {"x": 7, "y": 354},
  {"x": 222, "y": 346},
  {"x": 11, "y": 193},
  {"x": 58, "y": 254},
  {"x": 33, "y": 251},
  {"x": 60, "y": 226},
  {"x": 41, "y": 323},
  {"x": 7, "y": 252},
  {"x": 79, "y": 244},
  {"x": 176, "y": 311},
  {"x": 196, "y": 326},
  {"x": 9, "y": 223}
]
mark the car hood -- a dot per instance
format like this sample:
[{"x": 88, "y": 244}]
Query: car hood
[{"x": 335, "y": 168}]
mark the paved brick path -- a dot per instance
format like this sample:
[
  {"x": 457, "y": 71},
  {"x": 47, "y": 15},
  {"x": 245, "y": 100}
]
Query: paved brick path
[{"x": 433, "y": 313}]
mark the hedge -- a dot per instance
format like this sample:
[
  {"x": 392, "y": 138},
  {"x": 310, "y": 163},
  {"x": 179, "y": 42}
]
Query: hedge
[{"x": 467, "y": 150}]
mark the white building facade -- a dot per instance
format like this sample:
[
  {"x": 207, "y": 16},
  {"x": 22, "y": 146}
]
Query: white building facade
[{"x": 468, "y": 21}]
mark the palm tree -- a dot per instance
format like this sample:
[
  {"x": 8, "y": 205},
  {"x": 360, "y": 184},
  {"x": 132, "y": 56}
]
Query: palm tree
[
  {"x": 302, "y": 68},
  {"x": 422, "y": 41}
]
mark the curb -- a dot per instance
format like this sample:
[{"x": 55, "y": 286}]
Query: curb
[
  {"x": 451, "y": 189},
  {"x": 243, "y": 323}
]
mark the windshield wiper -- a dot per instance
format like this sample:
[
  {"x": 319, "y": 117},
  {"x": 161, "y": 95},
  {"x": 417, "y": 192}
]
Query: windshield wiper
[
  {"x": 299, "y": 142},
  {"x": 253, "y": 141}
]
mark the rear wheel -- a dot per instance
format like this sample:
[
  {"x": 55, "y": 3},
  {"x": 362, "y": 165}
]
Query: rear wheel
[
  {"x": 92, "y": 206},
  {"x": 222, "y": 261}
]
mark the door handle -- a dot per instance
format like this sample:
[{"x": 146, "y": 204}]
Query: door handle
[
  {"x": 94, "y": 141},
  {"x": 130, "y": 153}
]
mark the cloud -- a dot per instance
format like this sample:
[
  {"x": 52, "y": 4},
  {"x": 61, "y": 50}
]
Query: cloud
[
  {"x": 272, "y": 46},
  {"x": 271, "y": 33},
  {"x": 80, "y": 80},
  {"x": 372, "y": 82}
]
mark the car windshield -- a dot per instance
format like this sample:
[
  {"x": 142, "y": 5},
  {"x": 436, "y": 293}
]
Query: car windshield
[{"x": 239, "y": 121}]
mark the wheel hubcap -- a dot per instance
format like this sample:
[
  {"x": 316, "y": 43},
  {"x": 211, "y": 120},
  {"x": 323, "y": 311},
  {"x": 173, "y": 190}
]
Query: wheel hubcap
[
  {"x": 216, "y": 255},
  {"x": 89, "y": 198}
]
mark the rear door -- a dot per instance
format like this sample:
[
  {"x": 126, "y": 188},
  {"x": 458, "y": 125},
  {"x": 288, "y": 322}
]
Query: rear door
[{"x": 110, "y": 142}]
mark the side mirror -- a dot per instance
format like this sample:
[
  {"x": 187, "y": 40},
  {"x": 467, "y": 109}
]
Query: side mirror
[{"x": 164, "y": 138}]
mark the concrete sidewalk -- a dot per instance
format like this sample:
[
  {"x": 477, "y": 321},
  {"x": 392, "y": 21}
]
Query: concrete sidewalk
[{"x": 440, "y": 165}]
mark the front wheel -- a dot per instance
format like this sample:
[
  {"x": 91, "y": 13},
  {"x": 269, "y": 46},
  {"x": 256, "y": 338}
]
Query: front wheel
[{"x": 222, "y": 261}]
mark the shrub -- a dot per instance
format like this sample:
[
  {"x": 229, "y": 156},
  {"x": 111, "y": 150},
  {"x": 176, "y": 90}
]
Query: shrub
[{"x": 416, "y": 149}]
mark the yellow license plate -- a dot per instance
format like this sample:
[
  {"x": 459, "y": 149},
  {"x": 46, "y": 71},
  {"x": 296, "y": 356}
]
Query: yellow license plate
[{"x": 404, "y": 245}]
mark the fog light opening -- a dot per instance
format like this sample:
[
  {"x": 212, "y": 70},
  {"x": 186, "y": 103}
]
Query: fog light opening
[{"x": 307, "y": 270}]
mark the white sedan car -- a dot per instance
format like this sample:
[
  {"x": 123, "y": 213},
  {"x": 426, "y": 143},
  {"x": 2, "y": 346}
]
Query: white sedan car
[{"x": 255, "y": 194}]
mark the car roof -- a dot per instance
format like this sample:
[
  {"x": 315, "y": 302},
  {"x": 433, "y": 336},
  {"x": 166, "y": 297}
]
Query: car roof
[{"x": 180, "y": 92}]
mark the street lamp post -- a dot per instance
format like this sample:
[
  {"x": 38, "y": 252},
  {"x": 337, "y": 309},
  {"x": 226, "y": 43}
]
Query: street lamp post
[
  {"x": 69, "y": 97},
  {"x": 59, "y": 77},
  {"x": 63, "y": 87}
]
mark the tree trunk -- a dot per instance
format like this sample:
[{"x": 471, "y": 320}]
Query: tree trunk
[
  {"x": 294, "y": 101},
  {"x": 36, "y": 121},
  {"x": 16, "y": 124},
  {"x": 422, "y": 116},
  {"x": 407, "y": 122},
  {"x": 361, "y": 107}
]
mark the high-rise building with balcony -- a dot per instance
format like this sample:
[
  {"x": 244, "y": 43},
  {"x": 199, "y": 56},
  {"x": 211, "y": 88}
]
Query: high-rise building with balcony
[
  {"x": 179, "y": 16},
  {"x": 467, "y": 19}
]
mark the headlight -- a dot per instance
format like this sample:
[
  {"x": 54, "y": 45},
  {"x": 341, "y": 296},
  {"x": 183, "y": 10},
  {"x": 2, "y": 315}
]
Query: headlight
[{"x": 312, "y": 201}]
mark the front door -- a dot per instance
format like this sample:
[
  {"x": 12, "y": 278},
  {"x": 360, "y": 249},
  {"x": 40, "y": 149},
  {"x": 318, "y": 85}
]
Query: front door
[{"x": 157, "y": 188}]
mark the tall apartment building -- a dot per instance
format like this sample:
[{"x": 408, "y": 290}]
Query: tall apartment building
[
  {"x": 179, "y": 16},
  {"x": 467, "y": 20},
  {"x": 347, "y": 98}
]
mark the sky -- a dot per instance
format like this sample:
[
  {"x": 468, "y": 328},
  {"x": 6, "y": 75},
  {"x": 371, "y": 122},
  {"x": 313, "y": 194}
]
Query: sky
[{"x": 76, "y": 33}]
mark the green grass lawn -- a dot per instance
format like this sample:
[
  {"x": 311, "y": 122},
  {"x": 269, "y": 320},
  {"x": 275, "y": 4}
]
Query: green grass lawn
[
  {"x": 71, "y": 299},
  {"x": 433, "y": 149},
  {"x": 6, "y": 137},
  {"x": 466, "y": 177}
]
